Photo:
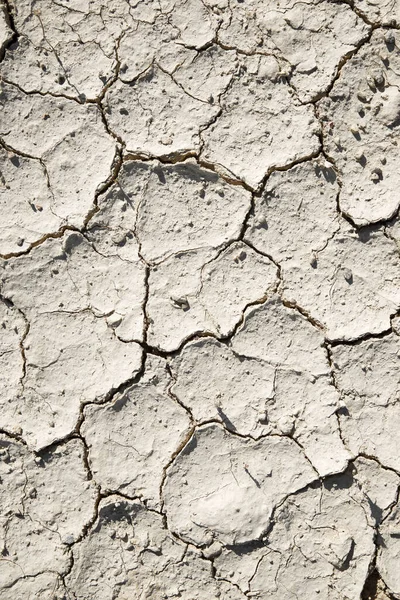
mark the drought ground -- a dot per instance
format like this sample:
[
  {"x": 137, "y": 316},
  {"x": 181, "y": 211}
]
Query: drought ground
[{"x": 200, "y": 300}]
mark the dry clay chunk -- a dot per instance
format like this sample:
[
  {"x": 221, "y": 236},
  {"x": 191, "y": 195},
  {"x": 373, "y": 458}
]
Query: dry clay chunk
[
  {"x": 381, "y": 12},
  {"x": 46, "y": 502},
  {"x": 70, "y": 359},
  {"x": 368, "y": 374},
  {"x": 352, "y": 288},
  {"x": 214, "y": 383},
  {"x": 310, "y": 38},
  {"x": 68, "y": 48},
  {"x": 45, "y": 586},
  {"x": 68, "y": 275},
  {"x": 261, "y": 127},
  {"x": 13, "y": 328},
  {"x": 379, "y": 484},
  {"x": 84, "y": 20},
  {"x": 129, "y": 554},
  {"x": 238, "y": 564},
  {"x": 329, "y": 272},
  {"x": 26, "y": 203},
  {"x": 168, "y": 41},
  {"x": 207, "y": 75},
  {"x": 306, "y": 196},
  {"x": 59, "y": 490},
  {"x": 182, "y": 207},
  {"x": 203, "y": 291},
  {"x": 204, "y": 76},
  {"x": 225, "y": 487},
  {"x": 132, "y": 440},
  {"x": 313, "y": 37},
  {"x": 173, "y": 312},
  {"x": 71, "y": 142},
  {"x": 154, "y": 116},
  {"x": 196, "y": 24},
  {"x": 320, "y": 546},
  {"x": 388, "y": 553},
  {"x": 112, "y": 229},
  {"x": 5, "y": 31},
  {"x": 147, "y": 43},
  {"x": 158, "y": 43},
  {"x": 283, "y": 337},
  {"x": 238, "y": 277},
  {"x": 305, "y": 408},
  {"x": 42, "y": 72},
  {"x": 251, "y": 397},
  {"x": 361, "y": 118},
  {"x": 393, "y": 231}
]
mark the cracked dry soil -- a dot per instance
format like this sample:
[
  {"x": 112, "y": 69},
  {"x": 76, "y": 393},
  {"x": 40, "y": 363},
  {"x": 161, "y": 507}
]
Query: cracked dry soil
[{"x": 200, "y": 299}]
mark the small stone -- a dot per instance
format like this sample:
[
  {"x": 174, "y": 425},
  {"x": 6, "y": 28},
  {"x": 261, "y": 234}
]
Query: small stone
[
  {"x": 396, "y": 325},
  {"x": 371, "y": 82},
  {"x": 32, "y": 493},
  {"x": 362, "y": 96},
  {"x": 263, "y": 416},
  {"x": 390, "y": 38},
  {"x": 376, "y": 175},
  {"x": 182, "y": 303},
  {"x": 114, "y": 320},
  {"x": 118, "y": 238},
  {"x": 313, "y": 261},
  {"x": 359, "y": 155},
  {"x": 212, "y": 551},
  {"x": 348, "y": 275},
  {"x": 69, "y": 540},
  {"x": 379, "y": 78}
]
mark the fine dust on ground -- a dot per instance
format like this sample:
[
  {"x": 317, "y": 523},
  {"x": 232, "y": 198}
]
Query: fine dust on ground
[{"x": 200, "y": 299}]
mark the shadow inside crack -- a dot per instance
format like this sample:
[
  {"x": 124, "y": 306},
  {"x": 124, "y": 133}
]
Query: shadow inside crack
[
  {"x": 374, "y": 588},
  {"x": 370, "y": 591}
]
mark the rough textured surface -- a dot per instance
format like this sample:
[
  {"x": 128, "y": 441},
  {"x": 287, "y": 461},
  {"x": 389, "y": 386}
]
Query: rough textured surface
[
  {"x": 360, "y": 370},
  {"x": 129, "y": 552},
  {"x": 321, "y": 544},
  {"x": 360, "y": 119},
  {"x": 132, "y": 439},
  {"x": 242, "y": 483},
  {"x": 204, "y": 291},
  {"x": 247, "y": 144},
  {"x": 357, "y": 281},
  {"x": 47, "y": 502},
  {"x": 199, "y": 300},
  {"x": 309, "y": 39}
]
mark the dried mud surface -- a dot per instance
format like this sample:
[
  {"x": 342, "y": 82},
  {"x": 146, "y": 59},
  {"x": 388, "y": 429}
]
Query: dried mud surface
[{"x": 199, "y": 299}]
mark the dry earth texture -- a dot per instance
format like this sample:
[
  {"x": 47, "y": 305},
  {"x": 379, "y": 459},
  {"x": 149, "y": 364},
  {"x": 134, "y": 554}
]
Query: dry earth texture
[{"x": 200, "y": 300}]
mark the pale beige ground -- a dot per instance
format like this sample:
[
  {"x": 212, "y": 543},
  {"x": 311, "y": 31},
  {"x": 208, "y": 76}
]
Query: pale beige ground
[{"x": 200, "y": 299}]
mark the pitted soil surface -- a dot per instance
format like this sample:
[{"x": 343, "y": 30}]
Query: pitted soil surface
[{"x": 200, "y": 299}]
